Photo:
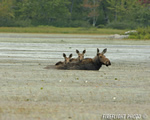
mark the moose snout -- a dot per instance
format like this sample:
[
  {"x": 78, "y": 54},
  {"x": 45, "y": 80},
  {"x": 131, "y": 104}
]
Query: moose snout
[
  {"x": 108, "y": 63},
  {"x": 80, "y": 60}
]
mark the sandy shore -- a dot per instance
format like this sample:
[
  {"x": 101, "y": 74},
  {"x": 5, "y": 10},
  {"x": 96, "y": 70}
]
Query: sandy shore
[{"x": 29, "y": 92}]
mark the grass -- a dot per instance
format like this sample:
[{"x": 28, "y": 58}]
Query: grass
[{"x": 49, "y": 29}]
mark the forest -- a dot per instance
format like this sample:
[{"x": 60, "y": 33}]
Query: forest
[{"x": 118, "y": 14}]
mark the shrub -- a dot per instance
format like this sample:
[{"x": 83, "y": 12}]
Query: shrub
[
  {"x": 121, "y": 25},
  {"x": 147, "y": 36},
  {"x": 59, "y": 23},
  {"x": 132, "y": 37},
  {"x": 69, "y": 23},
  {"x": 142, "y": 33},
  {"x": 79, "y": 23},
  {"x": 101, "y": 26},
  {"x": 22, "y": 23}
]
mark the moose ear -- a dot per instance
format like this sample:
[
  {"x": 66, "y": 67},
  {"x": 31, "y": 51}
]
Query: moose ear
[
  {"x": 104, "y": 51},
  {"x": 84, "y": 51},
  {"x": 77, "y": 51},
  {"x": 97, "y": 50},
  {"x": 70, "y": 56},
  {"x": 64, "y": 55}
]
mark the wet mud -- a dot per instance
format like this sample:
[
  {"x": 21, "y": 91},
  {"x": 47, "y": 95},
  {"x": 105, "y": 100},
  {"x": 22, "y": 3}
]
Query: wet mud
[{"x": 28, "y": 91}]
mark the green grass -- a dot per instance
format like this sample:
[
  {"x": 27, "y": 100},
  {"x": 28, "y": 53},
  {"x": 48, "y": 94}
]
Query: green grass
[{"x": 49, "y": 29}]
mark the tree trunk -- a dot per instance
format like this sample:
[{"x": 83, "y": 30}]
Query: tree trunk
[{"x": 94, "y": 17}]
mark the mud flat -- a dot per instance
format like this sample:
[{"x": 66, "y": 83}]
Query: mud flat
[{"x": 27, "y": 91}]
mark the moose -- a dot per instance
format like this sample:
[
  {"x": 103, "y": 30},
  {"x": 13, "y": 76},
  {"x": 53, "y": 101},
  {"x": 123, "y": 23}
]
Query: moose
[
  {"x": 80, "y": 56},
  {"x": 87, "y": 63},
  {"x": 67, "y": 60}
]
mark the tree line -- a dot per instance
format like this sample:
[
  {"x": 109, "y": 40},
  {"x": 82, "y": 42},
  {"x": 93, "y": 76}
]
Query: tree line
[{"x": 120, "y": 14}]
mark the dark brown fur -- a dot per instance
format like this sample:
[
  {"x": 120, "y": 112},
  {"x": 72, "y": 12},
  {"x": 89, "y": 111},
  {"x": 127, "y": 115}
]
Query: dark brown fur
[{"x": 89, "y": 63}]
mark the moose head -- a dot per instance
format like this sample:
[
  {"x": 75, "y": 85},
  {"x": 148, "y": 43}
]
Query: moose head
[
  {"x": 80, "y": 55},
  {"x": 67, "y": 59},
  {"x": 102, "y": 58}
]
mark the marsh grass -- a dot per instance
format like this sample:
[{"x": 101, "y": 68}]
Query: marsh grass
[{"x": 49, "y": 29}]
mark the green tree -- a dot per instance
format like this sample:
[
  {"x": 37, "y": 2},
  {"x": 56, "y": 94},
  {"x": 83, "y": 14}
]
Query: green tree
[
  {"x": 92, "y": 7},
  {"x": 6, "y": 12},
  {"x": 128, "y": 13},
  {"x": 43, "y": 11}
]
